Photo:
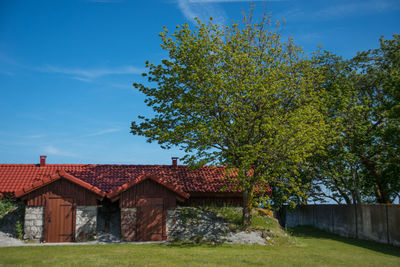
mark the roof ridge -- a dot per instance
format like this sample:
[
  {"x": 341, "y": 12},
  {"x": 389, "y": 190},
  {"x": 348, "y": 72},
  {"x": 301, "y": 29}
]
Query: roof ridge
[{"x": 124, "y": 165}]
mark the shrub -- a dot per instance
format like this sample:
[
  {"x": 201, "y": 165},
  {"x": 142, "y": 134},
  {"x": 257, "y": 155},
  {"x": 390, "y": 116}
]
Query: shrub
[
  {"x": 6, "y": 206},
  {"x": 19, "y": 230}
]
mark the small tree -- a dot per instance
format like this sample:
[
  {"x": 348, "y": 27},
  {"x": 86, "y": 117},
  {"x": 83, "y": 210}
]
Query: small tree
[{"x": 239, "y": 96}]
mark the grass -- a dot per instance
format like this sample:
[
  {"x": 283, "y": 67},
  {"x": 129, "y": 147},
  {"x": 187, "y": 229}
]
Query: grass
[{"x": 313, "y": 248}]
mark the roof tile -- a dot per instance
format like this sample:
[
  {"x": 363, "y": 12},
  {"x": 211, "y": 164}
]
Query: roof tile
[{"x": 14, "y": 177}]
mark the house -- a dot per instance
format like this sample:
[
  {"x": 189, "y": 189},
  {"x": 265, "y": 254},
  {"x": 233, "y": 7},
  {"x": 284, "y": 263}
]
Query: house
[{"x": 68, "y": 202}]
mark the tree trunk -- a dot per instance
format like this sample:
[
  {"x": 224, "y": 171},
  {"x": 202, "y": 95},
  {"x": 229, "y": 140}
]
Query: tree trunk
[
  {"x": 381, "y": 187},
  {"x": 247, "y": 206},
  {"x": 342, "y": 192}
]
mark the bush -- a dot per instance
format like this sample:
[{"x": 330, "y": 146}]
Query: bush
[{"x": 6, "y": 206}]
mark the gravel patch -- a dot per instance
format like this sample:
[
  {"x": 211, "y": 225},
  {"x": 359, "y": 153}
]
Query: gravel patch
[{"x": 6, "y": 240}]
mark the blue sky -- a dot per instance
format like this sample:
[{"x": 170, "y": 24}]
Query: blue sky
[{"x": 67, "y": 67}]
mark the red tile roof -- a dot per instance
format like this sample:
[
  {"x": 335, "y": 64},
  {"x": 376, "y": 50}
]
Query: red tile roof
[
  {"x": 159, "y": 180},
  {"x": 56, "y": 176},
  {"x": 15, "y": 177}
]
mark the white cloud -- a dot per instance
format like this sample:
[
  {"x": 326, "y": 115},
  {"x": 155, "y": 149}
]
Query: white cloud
[
  {"x": 202, "y": 10},
  {"x": 101, "y": 132},
  {"x": 51, "y": 150},
  {"x": 88, "y": 74}
]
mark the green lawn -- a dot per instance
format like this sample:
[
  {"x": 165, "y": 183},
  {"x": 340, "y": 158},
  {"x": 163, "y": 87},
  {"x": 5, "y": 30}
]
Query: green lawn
[{"x": 312, "y": 248}]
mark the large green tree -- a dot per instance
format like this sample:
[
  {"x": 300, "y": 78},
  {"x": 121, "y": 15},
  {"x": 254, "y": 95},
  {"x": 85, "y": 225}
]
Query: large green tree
[
  {"x": 240, "y": 96},
  {"x": 363, "y": 163},
  {"x": 378, "y": 83},
  {"x": 337, "y": 174}
]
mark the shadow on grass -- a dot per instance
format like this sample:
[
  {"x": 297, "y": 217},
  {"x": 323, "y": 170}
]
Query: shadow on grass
[
  {"x": 180, "y": 244},
  {"x": 311, "y": 232}
]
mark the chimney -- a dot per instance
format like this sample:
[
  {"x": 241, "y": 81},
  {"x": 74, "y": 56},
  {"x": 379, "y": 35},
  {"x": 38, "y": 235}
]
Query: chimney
[
  {"x": 174, "y": 161},
  {"x": 43, "y": 161}
]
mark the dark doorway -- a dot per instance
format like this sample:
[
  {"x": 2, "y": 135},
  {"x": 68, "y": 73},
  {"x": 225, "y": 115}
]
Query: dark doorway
[{"x": 108, "y": 221}]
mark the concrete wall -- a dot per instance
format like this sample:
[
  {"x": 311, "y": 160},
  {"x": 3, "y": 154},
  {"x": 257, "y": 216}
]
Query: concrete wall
[
  {"x": 86, "y": 223},
  {"x": 34, "y": 221},
  {"x": 380, "y": 223}
]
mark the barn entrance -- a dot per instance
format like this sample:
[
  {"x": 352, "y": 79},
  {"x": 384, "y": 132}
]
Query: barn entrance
[
  {"x": 150, "y": 219},
  {"x": 59, "y": 220}
]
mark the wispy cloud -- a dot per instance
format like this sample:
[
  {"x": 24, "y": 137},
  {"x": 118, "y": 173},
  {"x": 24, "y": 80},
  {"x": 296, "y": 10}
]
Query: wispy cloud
[
  {"x": 81, "y": 74},
  {"x": 360, "y": 7},
  {"x": 204, "y": 9},
  {"x": 101, "y": 132},
  {"x": 31, "y": 116},
  {"x": 8, "y": 73},
  {"x": 51, "y": 150},
  {"x": 127, "y": 85},
  {"x": 233, "y": 1},
  {"x": 89, "y": 74},
  {"x": 36, "y": 136},
  {"x": 106, "y": 1}
]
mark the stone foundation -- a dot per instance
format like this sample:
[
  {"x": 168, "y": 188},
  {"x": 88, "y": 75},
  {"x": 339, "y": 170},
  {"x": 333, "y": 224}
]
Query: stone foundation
[
  {"x": 128, "y": 224},
  {"x": 86, "y": 223},
  {"x": 34, "y": 221}
]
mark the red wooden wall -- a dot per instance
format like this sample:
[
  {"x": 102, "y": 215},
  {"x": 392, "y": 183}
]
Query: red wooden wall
[
  {"x": 61, "y": 188},
  {"x": 147, "y": 188}
]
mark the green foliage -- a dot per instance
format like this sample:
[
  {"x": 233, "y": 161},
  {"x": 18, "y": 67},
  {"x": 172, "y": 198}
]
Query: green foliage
[
  {"x": 231, "y": 215},
  {"x": 238, "y": 96},
  {"x": 187, "y": 214},
  {"x": 19, "y": 230},
  {"x": 6, "y": 206},
  {"x": 378, "y": 82},
  {"x": 362, "y": 165}
]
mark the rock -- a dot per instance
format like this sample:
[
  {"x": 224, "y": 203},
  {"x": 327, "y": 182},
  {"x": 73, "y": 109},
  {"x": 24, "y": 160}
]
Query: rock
[
  {"x": 195, "y": 225},
  {"x": 246, "y": 237}
]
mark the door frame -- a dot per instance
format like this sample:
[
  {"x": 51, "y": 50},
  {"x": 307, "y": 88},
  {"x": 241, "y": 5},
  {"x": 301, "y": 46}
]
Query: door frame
[{"x": 45, "y": 218}]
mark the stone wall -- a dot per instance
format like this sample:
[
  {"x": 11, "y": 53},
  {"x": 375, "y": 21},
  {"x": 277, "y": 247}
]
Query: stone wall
[
  {"x": 86, "y": 223},
  {"x": 128, "y": 224},
  {"x": 188, "y": 223},
  {"x": 34, "y": 221}
]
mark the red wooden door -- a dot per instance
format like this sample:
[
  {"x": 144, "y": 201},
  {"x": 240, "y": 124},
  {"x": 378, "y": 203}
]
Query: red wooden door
[
  {"x": 150, "y": 219},
  {"x": 59, "y": 220}
]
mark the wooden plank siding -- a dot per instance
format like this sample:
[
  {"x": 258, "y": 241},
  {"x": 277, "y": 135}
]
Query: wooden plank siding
[
  {"x": 149, "y": 189},
  {"x": 61, "y": 188}
]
